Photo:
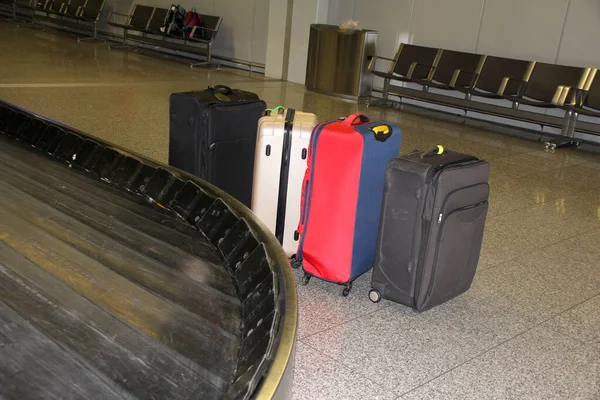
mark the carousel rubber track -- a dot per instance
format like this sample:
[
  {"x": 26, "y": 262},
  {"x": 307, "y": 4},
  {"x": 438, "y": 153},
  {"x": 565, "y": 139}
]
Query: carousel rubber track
[{"x": 105, "y": 295}]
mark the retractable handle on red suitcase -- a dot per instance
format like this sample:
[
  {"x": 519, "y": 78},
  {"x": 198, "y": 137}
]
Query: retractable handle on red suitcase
[{"x": 351, "y": 119}]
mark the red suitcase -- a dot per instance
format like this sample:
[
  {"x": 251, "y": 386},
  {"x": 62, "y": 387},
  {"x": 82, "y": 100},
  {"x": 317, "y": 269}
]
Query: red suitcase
[{"x": 342, "y": 196}]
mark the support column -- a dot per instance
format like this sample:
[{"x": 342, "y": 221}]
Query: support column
[
  {"x": 278, "y": 38},
  {"x": 287, "y": 40},
  {"x": 305, "y": 13}
]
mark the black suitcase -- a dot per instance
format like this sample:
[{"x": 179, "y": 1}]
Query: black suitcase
[
  {"x": 213, "y": 136},
  {"x": 432, "y": 223}
]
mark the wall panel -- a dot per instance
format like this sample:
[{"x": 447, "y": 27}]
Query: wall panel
[
  {"x": 235, "y": 36},
  {"x": 340, "y": 10},
  {"x": 581, "y": 35},
  {"x": 449, "y": 24},
  {"x": 527, "y": 29},
  {"x": 260, "y": 31},
  {"x": 393, "y": 25},
  {"x": 305, "y": 13}
]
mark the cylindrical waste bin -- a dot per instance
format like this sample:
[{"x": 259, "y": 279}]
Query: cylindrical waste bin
[{"x": 338, "y": 61}]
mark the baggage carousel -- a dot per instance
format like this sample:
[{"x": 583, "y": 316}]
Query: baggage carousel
[{"x": 124, "y": 279}]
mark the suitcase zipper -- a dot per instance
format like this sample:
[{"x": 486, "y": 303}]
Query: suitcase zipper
[
  {"x": 303, "y": 213},
  {"x": 440, "y": 216},
  {"x": 209, "y": 143},
  {"x": 306, "y": 208},
  {"x": 203, "y": 124},
  {"x": 312, "y": 148},
  {"x": 431, "y": 195},
  {"x": 460, "y": 209},
  {"x": 307, "y": 182},
  {"x": 431, "y": 177},
  {"x": 439, "y": 236}
]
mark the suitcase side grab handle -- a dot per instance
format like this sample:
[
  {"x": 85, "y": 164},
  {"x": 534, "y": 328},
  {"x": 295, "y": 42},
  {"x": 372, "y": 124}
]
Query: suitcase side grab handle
[{"x": 351, "y": 119}]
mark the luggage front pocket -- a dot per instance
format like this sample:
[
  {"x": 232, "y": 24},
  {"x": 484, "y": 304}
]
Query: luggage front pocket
[{"x": 457, "y": 252}]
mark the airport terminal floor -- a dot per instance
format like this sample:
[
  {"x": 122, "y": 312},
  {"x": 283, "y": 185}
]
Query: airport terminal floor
[{"x": 527, "y": 329}]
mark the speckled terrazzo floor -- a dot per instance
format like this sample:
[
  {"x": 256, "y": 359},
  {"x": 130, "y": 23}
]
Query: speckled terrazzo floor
[{"x": 529, "y": 328}]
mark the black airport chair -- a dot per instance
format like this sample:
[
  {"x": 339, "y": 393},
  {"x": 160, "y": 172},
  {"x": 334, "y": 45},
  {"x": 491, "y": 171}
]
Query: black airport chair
[
  {"x": 136, "y": 21},
  {"x": 454, "y": 69},
  {"x": 406, "y": 65},
  {"x": 548, "y": 85},
  {"x": 156, "y": 21},
  {"x": 500, "y": 76},
  {"x": 584, "y": 101}
]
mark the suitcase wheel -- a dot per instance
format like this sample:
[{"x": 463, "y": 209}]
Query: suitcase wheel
[
  {"x": 295, "y": 262},
  {"x": 374, "y": 296},
  {"x": 306, "y": 279},
  {"x": 347, "y": 289},
  {"x": 550, "y": 147}
]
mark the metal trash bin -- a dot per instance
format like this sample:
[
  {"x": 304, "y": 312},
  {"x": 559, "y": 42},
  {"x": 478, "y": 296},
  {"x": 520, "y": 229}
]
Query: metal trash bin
[{"x": 338, "y": 61}]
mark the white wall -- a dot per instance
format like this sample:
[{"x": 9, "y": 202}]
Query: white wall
[
  {"x": 535, "y": 28},
  {"x": 305, "y": 13},
  {"x": 278, "y": 38},
  {"x": 448, "y": 24},
  {"x": 243, "y": 33},
  {"x": 555, "y": 31},
  {"x": 563, "y": 31},
  {"x": 579, "y": 44}
]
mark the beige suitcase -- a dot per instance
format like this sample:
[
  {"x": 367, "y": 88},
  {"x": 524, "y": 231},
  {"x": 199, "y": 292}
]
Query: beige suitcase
[{"x": 279, "y": 166}]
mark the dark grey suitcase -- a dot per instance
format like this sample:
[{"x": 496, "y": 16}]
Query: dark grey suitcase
[
  {"x": 432, "y": 223},
  {"x": 213, "y": 136}
]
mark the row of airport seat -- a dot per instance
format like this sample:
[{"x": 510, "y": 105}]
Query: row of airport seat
[
  {"x": 69, "y": 13},
  {"x": 474, "y": 76},
  {"x": 142, "y": 25},
  {"x": 469, "y": 81},
  {"x": 145, "y": 23}
]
